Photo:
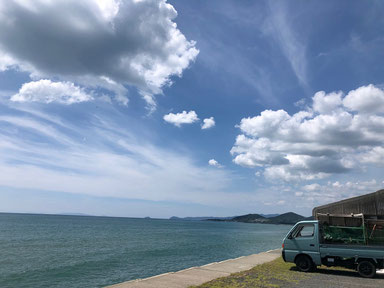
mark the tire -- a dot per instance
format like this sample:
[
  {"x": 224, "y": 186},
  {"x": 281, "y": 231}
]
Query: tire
[
  {"x": 366, "y": 269},
  {"x": 304, "y": 263}
]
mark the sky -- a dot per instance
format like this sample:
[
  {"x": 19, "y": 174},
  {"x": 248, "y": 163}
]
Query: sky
[{"x": 161, "y": 108}]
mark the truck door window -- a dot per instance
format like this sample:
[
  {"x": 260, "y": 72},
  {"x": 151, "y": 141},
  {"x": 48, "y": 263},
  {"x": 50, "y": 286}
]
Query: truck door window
[{"x": 304, "y": 231}]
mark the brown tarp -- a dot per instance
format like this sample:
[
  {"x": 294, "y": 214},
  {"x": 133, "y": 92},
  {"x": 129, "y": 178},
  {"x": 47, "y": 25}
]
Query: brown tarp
[{"x": 371, "y": 205}]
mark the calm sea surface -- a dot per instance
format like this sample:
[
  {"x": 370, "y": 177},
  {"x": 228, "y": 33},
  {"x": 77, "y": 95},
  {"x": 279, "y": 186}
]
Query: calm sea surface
[{"x": 81, "y": 251}]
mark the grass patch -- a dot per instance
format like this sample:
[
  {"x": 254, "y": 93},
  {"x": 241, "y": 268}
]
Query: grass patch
[{"x": 268, "y": 275}]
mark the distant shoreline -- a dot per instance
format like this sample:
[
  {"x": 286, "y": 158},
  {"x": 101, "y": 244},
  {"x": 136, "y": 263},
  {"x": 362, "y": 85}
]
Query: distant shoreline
[
  {"x": 289, "y": 218},
  {"x": 80, "y": 215},
  {"x": 268, "y": 223}
]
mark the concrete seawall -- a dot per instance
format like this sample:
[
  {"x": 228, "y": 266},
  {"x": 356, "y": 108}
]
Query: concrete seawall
[{"x": 202, "y": 274}]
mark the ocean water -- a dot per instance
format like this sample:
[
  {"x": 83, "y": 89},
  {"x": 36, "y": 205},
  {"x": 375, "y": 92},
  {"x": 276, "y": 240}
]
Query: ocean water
[{"x": 82, "y": 251}]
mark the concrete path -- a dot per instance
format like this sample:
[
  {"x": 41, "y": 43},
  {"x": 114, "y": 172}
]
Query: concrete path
[{"x": 202, "y": 274}]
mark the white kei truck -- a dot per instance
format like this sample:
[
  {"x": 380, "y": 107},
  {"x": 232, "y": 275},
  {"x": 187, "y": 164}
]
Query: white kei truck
[{"x": 348, "y": 241}]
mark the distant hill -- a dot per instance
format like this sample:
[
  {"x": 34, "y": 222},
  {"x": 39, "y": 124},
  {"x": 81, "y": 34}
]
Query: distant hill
[
  {"x": 269, "y": 215},
  {"x": 250, "y": 218},
  {"x": 286, "y": 218},
  {"x": 201, "y": 218}
]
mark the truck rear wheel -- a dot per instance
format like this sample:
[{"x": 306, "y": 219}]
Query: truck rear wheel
[
  {"x": 366, "y": 269},
  {"x": 304, "y": 263}
]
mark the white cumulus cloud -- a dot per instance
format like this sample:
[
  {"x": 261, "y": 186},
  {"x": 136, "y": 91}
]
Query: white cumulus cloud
[
  {"x": 331, "y": 137},
  {"x": 208, "y": 123},
  {"x": 181, "y": 118},
  {"x": 110, "y": 44},
  {"x": 366, "y": 99},
  {"x": 375, "y": 155},
  {"x": 46, "y": 91},
  {"x": 213, "y": 162},
  {"x": 326, "y": 103}
]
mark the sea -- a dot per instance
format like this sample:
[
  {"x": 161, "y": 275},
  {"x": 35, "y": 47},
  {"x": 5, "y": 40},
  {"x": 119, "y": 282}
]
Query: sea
[{"x": 86, "y": 251}]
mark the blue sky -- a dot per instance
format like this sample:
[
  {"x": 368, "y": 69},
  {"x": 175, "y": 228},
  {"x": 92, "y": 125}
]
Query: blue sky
[{"x": 92, "y": 96}]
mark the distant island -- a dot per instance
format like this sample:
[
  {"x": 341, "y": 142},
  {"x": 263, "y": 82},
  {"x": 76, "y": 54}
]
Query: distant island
[
  {"x": 199, "y": 218},
  {"x": 286, "y": 218}
]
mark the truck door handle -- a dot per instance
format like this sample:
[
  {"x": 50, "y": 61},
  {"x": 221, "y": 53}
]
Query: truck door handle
[{"x": 312, "y": 245}]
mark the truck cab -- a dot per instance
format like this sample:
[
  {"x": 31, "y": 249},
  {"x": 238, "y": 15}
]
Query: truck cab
[{"x": 303, "y": 241}]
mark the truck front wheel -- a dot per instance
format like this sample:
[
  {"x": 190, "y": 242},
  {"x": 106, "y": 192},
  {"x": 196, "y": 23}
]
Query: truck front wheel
[
  {"x": 366, "y": 269},
  {"x": 304, "y": 263}
]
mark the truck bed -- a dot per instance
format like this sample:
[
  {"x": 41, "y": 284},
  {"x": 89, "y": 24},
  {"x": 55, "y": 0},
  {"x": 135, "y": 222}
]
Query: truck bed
[{"x": 351, "y": 251}]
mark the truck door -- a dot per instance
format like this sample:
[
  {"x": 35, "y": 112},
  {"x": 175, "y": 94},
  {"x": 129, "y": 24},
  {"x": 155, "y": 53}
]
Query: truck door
[{"x": 304, "y": 239}]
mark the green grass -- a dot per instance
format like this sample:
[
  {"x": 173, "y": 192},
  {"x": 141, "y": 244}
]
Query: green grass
[{"x": 268, "y": 275}]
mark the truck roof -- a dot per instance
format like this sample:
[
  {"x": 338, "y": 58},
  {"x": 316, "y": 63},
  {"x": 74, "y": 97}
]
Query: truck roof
[{"x": 308, "y": 221}]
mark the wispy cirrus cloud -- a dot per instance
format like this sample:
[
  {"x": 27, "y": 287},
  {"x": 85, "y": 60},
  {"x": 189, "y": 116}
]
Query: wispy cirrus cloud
[
  {"x": 278, "y": 25},
  {"x": 69, "y": 157}
]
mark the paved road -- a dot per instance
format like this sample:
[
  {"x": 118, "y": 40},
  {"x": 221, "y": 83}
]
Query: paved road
[{"x": 324, "y": 278}]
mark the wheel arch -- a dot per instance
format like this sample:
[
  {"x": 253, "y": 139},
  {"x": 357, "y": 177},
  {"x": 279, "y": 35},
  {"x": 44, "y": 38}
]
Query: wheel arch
[
  {"x": 373, "y": 260},
  {"x": 303, "y": 254}
]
